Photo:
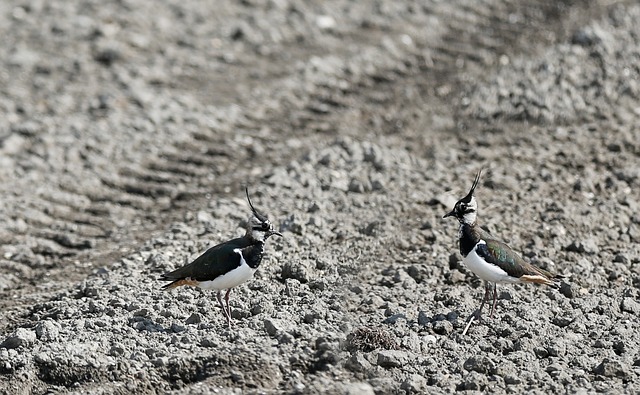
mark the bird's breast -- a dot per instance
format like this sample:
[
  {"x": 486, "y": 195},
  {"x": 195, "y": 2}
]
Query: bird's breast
[{"x": 485, "y": 270}]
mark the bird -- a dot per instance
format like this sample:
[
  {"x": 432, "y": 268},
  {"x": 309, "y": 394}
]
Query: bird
[
  {"x": 489, "y": 258},
  {"x": 228, "y": 264}
]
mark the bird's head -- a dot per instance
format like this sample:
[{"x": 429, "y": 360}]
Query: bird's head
[
  {"x": 259, "y": 227},
  {"x": 466, "y": 209}
]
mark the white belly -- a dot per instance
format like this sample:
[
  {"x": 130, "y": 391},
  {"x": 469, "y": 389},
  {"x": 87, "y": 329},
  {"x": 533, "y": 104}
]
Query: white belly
[
  {"x": 232, "y": 279},
  {"x": 485, "y": 270}
]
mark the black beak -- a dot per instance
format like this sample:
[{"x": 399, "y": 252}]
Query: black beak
[
  {"x": 273, "y": 232},
  {"x": 449, "y": 214}
]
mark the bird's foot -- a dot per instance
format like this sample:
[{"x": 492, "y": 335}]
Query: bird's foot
[{"x": 475, "y": 316}]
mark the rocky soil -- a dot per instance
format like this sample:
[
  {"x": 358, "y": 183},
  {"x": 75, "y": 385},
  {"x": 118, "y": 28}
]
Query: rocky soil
[{"x": 130, "y": 128}]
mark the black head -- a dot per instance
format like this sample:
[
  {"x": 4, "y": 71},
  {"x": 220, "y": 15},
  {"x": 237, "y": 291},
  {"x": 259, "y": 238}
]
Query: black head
[
  {"x": 466, "y": 209},
  {"x": 258, "y": 226}
]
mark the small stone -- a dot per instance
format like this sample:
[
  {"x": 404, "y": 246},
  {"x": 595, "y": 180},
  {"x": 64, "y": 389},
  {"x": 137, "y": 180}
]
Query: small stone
[
  {"x": 423, "y": 318},
  {"x": 567, "y": 290},
  {"x": 562, "y": 321},
  {"x": 541, "y": 352},
  {"x": 429, "y": 339},
  {"x": 358, "y": 363},
  {"x": 325, "y": 22},
  {"x": 298, "y": 270},
  {"x": 194, "y": 318},
  {"x": 588, "y": 246},
  {"x": 417, "y": 273},
  {"x": 262, "y": 306},
  {"x": 177, "y": 328},
  {"x": 554, "y": 370},
  {"x": 320, "y": 284},
  {"x": 480, "y": 364},
  {"x": 557, "y": 349},
  {"x": 630, "y": 305},
  {"x": 21, "y": 337},
  {"x": 47, "y": 330},
  {"x": 511, "y": 379},
  {"x": 272, "y": 327},
  {"x": 611, "y": 368},
  {"x": 621, "y": 258},
  {"x": 360, "y": 388},
  {"x": 374, "y": 228},
  {"x": 395, "y": 318},
  {"x": 160, "y": 361},
  {"x": 414, "y": 384},
  {"x": 475, "y": 381},
  {"x": 208, "y": 343},
  {"x": 204, "y": 217},
  {"x": 392, "y": 358},
  {"x": 359, "y": 185},
  {"x": 116, "y": 351},
  {"x": 42, "y": 358},
  {"x": 443, "y": 327}
]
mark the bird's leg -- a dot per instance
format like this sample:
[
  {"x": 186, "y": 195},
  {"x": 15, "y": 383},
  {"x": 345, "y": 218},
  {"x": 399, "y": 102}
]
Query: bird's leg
[
  {"x": 495, "y": 299},
  {"x": 224, "y": 310},
  {"x": 478, "y": 313},
  {"x": 226, "y": 298},
  {"x": 487, "y": 288}
]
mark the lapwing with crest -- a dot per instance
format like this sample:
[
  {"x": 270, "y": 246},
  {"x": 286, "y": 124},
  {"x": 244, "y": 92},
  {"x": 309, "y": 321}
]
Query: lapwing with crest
[
  {"x": 490, "y": 259},
  {"x": 229, "y": 264}
]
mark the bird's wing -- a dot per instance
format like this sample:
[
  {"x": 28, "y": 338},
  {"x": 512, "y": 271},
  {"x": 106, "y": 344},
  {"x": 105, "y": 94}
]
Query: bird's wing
[
  {"x": 501, "y": 255},
  {"x": 215, "y": 262}
]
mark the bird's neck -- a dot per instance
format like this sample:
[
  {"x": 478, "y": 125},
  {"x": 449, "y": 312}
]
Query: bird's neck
[
  {"x": 253, "y": 254},
  {"x": 469, "y": 236}
]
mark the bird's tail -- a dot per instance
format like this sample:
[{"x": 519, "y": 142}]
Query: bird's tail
[
  {"x": 544, "y": 277},
  {"x": 177, "y": 283}
]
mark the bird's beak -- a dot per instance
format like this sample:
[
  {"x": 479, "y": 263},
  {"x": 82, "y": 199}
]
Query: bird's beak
[
  {"x": 273, "y": 232},
  {"x": 449, "y": 214}
]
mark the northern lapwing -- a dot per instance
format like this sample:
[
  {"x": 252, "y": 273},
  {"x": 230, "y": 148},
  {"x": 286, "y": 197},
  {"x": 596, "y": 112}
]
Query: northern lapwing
[
  {"x": 229, "y": 264},
  {"x": 490, "y": 259}
]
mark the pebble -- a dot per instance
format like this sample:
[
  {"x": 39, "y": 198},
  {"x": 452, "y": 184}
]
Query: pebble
[
  {"x": 272, "y": 326},
  {"x": 612, "y": 368},
  {"x": 47, "y": 330},
  {"x": 414, "y": 384},
  {"x": 630, "y": 305},
  {"x": 480, "y": 364},
  {"x": 298, "y": 270},
  {"x": 392, "y": 358},
  {"x": 443, "y": 327},
  {"x": 20, "y": 338},
  {"x": 475, "y": 381},
  {"x": 194, "y": 318}
]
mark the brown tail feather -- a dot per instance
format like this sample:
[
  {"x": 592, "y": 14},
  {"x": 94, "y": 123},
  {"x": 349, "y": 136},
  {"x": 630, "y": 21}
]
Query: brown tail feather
[
  {"x": 180, "y": 282},
  {"x": 536, "y": 278},
  {"x": 541, "y": 276}
]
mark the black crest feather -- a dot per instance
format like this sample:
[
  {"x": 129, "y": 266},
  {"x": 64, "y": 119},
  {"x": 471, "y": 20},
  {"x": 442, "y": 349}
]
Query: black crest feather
[
  {"x": 467, "y": 198},
  {"x": 261, "y": 217}
]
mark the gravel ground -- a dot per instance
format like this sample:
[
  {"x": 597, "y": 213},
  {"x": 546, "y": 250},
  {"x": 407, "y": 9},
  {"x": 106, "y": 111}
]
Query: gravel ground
[{"x": 130, "y": 128}]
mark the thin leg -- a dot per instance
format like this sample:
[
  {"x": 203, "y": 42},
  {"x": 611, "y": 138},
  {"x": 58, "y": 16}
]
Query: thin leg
[
  {"x": 487, "y": 288},
  {"x": 224, "y": 310},
  {"x": 495, "y": 299},
  {"x": 478, "y": 313},
  {"x": 226, "y": 298}
]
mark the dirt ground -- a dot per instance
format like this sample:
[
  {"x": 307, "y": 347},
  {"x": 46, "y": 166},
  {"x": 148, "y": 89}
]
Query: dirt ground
[{"x": 129, "y": 129}]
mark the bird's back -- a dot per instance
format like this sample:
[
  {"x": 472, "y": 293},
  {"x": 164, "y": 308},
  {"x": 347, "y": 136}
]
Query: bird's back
[{"x": 216, "y": 261}]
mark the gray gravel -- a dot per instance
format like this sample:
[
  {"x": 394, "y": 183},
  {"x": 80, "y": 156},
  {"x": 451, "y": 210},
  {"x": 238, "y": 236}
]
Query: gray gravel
[{"x": 129, "y": 130}]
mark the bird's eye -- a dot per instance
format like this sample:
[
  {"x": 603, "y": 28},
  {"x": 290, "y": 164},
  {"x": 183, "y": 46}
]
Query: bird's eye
[{"x": 265, "y": 225}]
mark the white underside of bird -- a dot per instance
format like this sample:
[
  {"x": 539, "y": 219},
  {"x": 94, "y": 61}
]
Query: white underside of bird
[
  {"x": 231, "y": 279},
  {"x": 485, "y": 270}
]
